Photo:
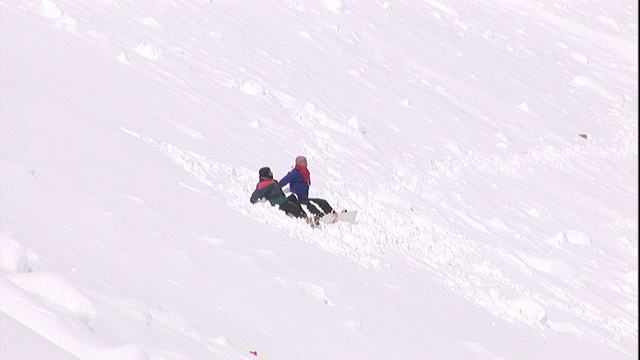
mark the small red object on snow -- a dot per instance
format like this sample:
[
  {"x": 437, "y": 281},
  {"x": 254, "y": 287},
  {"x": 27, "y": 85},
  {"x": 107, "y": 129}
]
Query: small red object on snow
[{"x": 253, "y": 353}]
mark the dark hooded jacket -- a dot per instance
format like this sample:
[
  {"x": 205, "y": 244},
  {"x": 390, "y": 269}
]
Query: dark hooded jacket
[{"x": 267, "y": 188}]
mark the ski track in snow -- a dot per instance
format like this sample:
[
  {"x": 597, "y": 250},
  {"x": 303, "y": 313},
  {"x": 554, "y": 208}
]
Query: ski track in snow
[{"x": 445, "y": 253}]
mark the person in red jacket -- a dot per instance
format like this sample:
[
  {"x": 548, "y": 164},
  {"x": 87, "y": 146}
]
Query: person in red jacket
[
  {"x": 269, "y": 189},
  {"x": 299, "y": 180}
]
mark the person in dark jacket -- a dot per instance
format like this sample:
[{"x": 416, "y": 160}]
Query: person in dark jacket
[
  {"x": 299, "y": 181},
  {"x": 269, "y": 189}
]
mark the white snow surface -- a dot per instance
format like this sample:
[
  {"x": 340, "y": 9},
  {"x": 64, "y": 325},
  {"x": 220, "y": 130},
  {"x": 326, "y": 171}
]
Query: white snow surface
[{"x": 490, "y": 147}]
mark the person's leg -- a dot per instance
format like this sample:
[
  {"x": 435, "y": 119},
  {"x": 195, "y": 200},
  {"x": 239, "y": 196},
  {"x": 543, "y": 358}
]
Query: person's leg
[
  {"x": 324, "y": 205},
  {"x": 293, "y": 198},
  {"x": 293, "y": 208},
  {"x": 311, "y": 207}
]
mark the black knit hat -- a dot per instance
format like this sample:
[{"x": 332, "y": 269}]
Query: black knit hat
[{"x": 265, "y": 172}]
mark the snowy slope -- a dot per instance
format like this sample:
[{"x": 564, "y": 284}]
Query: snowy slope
[{"x": 132, "y": 133}]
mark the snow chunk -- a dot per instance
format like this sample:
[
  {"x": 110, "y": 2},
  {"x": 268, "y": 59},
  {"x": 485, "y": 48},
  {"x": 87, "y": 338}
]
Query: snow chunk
[
  {"x": 305, "y": 34},
  {"x": 252, "y": 88},
  {"x": 315, "y": 291},
  {"x": 122, "y": 58},
  {"x": 592, "y": 85},
  {"x": 578, "y": 238},
  {"x": 337, "y": 6},
  {"x": 353, "y": 324},
  {"x": 149, "y": 51},
  {"x": 552, "y": 266},
  {"x": 580, "y": 58},
  {"x": 56, "y": 290},
  {"x": 525, "y": 107},
  {"x": 13, "y": 256},
  {"x": 354, "y": 122},
  {"x": 540, "y": 213},
  {"x": 50, "y": 9},
  {"x": 529, "y": 309},
  {"x": 151, "y": 22}
]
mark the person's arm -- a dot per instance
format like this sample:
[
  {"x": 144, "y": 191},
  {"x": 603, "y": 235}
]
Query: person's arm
[
  {"x": 286, "y": 179},
  {"x": 257, "y": 195}
]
